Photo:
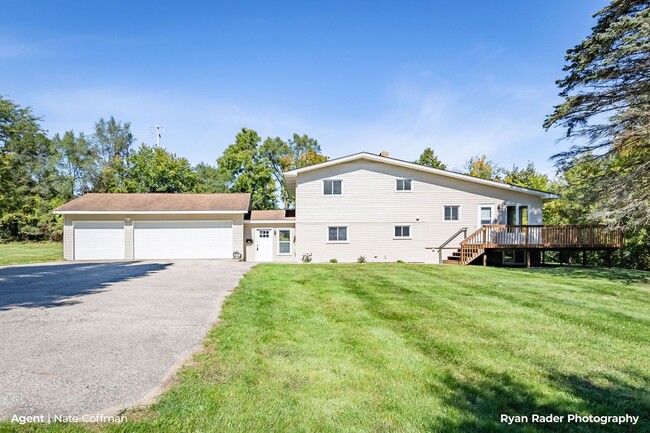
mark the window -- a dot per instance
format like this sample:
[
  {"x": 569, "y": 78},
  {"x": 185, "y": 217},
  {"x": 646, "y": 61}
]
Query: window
[
  {"x": 284, "y": 241},
  {"x": 332, "y": 187},
  {"x": 452, "y": 213},
  {"x": 264, "y": 233},
  {"x": 404, "y": 184},
  {"x": 517, "y": 214},
  {"x": 337, "y": 234},
  {"x": 402, "y": 231},
  {"x": 485, "y": 215}
]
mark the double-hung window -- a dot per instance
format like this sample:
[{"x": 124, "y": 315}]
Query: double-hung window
[
  {"x": 284, "y": 241},
  {"x": 404, "y": 184},
  {"x": 402, "y": 232},
  {"x": 332, "y": 187},
  {"x": 452, "y": 213},
  {"x": 337, "y": 233}
]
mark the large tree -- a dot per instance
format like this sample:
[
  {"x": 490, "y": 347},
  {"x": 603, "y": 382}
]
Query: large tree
[
  {"x": 480, "y": 166},
  {"x": 299, "y": 151},
  {"x": 27, "y": 174},
  {"x": 606, "y": 111},
  {"x": 113, "y": 140},
  {"x": 209, "y": 179},
  {"x": 77, "y": 166},
  {"x": 430, "y": 159},
  {"x": 154, "y": 169},
  {"x": 247, "y": 171},
  {"x": 527, "y": 177}
]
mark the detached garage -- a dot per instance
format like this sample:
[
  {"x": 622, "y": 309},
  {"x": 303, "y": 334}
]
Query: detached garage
[{"x": 154, "y": 226}]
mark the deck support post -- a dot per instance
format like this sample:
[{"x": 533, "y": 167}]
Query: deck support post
[
  {"x": 484, "y": 258},
  {"x": 609, "y": 258},
  {"x": 543, "y": 257},
  {"x": 528, "y": 258},
  {"x": 584, "y": 258}
]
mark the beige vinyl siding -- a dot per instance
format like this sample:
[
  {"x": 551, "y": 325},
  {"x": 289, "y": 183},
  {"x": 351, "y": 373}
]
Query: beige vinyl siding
[
  {"x": 249, "y": 233},
  {"x": 68, "y": 248},
  {"x": 370, "y": 206},
  {"x": 68, "y": 232}
]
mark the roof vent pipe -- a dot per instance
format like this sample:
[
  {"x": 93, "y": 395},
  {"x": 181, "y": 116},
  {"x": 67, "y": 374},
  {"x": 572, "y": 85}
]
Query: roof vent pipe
[{"x": 383, "y": 153}]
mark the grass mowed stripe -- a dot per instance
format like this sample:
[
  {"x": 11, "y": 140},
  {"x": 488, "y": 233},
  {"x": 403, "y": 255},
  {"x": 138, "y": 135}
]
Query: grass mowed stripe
[
  {"x": 36, "y": 252},
  {"x": 409, "y": 348},
  {"x": 391, "y": 347}
]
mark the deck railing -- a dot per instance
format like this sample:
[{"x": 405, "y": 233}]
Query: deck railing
[
  {"x": 560, "y": 236},
  {"x": 539, "y": 236}
]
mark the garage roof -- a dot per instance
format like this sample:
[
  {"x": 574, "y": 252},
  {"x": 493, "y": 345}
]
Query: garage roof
[{"x": 94, "y": 203}]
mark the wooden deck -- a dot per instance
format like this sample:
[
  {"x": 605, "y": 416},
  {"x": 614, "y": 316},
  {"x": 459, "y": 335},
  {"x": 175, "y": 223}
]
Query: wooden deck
[{"x": 506, "y": 237}]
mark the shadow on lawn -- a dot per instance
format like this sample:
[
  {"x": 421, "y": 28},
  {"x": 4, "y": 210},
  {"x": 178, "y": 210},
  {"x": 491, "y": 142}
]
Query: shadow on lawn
[
  {"x": 481, "y": 402},
  {"x": 54, "y": 285},
  {"x": 628, "y": 276}
]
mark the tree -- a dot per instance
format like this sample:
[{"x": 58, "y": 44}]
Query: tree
[
  {"x": 153, "y": 169},
  {"x": 480, "y": 166},
  {"x": 209, "y": 179},
  {"x": 247, "y": 171},
  {"x": 113, "y": 140},
  {"x": 606, "y": 111},
  {"x": 300, "y": 151},
  {"x": 27, "y": 175},
  {"x": 77, "y": 166},
  {"x": 430, "y": 159},
  {"x": 527, "y": 177}
]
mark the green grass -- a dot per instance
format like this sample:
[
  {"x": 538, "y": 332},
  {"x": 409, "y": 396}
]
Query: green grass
[
  {"x": 409, "y": 348},
  {"x": 37, "y": 252}
]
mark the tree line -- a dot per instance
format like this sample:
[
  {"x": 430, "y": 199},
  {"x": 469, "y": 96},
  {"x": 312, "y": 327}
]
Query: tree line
[{"x": 39, "y": 173}]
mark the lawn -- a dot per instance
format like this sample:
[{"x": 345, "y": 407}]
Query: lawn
[
  {"x": 37, "y": 252},
  {"x": 410, "y": 348}
]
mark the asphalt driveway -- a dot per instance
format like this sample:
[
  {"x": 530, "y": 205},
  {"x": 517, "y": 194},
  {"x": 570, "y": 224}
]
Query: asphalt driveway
[{"x": 87, "y": 338}]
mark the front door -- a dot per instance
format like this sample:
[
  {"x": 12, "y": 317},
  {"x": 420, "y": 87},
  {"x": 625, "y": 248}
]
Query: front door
[{"x": 263, "y": 245}]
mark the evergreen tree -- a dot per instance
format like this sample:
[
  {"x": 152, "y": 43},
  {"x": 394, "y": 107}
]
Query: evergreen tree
[{"x": 607, "y": 108}]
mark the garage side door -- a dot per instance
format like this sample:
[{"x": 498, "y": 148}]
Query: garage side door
[
  {"x": 98, "y": 240},
  {"x": 182, "y": 240}
]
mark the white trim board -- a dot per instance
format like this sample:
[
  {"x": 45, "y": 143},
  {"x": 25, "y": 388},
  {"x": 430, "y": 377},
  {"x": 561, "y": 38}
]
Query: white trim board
[{"x": 149, "y": 212}]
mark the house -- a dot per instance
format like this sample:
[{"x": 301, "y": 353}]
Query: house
[{"x": 374, "y": 206}]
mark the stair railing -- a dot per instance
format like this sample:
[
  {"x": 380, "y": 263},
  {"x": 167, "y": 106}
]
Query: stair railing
[
  {"x": 451, "y": 238},
  {"x": 473, "y": 246}
]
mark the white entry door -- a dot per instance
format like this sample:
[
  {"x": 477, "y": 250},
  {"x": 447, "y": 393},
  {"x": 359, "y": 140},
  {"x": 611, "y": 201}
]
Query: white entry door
[
  {"x": 263, "y": 245},
  {"x": 98, "y": 240},
  {"x": 182, "y": 240}
]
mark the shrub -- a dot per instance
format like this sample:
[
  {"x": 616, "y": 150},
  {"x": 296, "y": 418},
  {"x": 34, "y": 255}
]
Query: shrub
[
  {"x": 361, "y": 259},
  {"x": 333, "y": 261},
  {"x": 400, "y": 261}
]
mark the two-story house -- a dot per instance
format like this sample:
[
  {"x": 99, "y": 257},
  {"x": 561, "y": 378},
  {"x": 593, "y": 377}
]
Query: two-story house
[{"x": 361, "y": 205}]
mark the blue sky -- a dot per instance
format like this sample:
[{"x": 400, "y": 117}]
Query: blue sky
[{"x": 463, "y": 77}]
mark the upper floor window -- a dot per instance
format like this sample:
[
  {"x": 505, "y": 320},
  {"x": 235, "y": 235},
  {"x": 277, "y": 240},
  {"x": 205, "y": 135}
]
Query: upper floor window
[
  {"x": 452, "y": 213},
  {"x": 404, "y": 184},
  {"x": 332, "y": 187}
]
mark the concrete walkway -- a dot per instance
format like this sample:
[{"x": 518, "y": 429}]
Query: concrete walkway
[{"x": 87, "y": 338}]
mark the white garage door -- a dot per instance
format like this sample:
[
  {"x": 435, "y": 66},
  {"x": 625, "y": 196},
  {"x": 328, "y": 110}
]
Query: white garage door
[
  {"x": 182, "y": 240},
  {"x": 98, "y": 240}
]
